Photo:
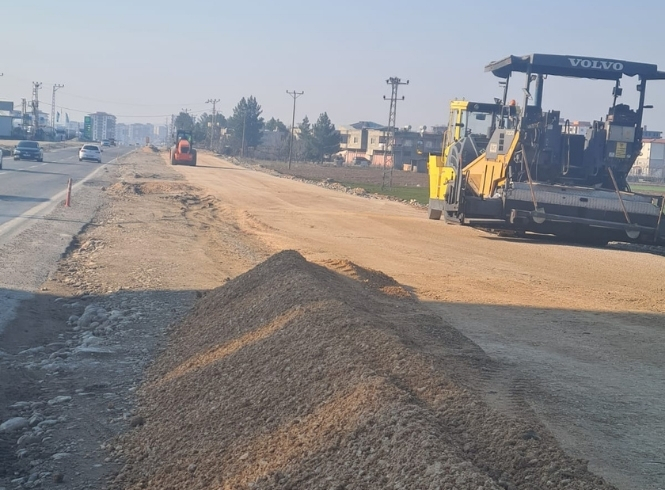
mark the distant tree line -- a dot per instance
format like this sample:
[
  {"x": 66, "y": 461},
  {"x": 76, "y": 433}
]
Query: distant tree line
[{"x": 243, "y": 130}]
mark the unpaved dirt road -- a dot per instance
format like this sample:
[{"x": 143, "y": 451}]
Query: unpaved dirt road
[
  {"x": 576, "y": 332},
  {"x": 580, "y": 331}
]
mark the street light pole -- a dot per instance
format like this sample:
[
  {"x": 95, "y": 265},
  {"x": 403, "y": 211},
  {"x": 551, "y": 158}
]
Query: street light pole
[{"x": 295, "y": 95}]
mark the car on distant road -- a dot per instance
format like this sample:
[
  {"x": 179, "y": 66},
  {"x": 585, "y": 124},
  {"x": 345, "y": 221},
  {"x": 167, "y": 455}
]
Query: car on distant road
[
  {"x": 106, "y": 143},
  {"x": 90, "y": 152},
  {"x": 28, "y": 150},
  {"x": 361, "y": 161}
]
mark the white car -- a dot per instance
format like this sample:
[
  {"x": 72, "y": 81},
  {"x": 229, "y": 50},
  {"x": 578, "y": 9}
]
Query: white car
[{"x": 90, "y": 152}]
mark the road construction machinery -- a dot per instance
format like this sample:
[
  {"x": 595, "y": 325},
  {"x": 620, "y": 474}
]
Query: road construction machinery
[
  {"x": 527, "y": 170},
  {"x": 183, "y": 152},
  {"x": 466, "y": 118}
]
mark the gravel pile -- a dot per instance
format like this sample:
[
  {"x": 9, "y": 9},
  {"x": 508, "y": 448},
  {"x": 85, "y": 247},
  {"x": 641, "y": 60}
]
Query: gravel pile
[{"x": 295, "y": 376}]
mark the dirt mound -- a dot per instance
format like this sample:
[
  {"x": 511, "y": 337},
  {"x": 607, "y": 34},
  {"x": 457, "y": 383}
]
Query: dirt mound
[
  {"x": 294, "y": 376},
  {"x": 124, "y": 188},
  {"x": 373, "y": 279}
]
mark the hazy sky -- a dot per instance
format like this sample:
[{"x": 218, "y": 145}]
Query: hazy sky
[{"x": 145, "y": 59}]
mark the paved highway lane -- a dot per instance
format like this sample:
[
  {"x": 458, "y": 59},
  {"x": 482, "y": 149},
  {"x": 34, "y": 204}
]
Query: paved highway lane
[
  {"x": 35, "y": 228},
  {"x": 25, "y": 184}
]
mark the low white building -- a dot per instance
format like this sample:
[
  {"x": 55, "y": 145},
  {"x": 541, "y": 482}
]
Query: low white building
[{"x": 651, "y": 161}]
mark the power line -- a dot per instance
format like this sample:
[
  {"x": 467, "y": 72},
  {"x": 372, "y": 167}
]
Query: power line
[
  {"x": 295, "y": 96},
  {"x": 127, "y": 115},
  {"x": 126, "y": 103}
]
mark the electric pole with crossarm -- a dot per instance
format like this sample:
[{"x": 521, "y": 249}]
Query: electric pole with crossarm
[
  {"x": 295, "y": 96},
  {"x": 212, "y": 122},
  {"x": 389, "y": 138}
]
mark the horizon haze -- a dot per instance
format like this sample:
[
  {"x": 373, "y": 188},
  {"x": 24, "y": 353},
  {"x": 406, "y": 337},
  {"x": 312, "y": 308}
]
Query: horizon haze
[{"x": 144, "y": 62}]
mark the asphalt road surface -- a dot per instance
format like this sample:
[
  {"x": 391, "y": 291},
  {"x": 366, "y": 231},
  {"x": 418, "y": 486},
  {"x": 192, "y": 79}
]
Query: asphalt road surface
[
  {"x": 35, "y": 229},
  {"x": 25, "y": 184}
]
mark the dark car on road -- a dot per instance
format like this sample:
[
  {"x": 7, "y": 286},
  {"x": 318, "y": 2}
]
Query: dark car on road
[{"x": 28, "y": 150}]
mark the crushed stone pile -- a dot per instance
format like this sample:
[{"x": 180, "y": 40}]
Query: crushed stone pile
[{"x": 301, "y": 376}]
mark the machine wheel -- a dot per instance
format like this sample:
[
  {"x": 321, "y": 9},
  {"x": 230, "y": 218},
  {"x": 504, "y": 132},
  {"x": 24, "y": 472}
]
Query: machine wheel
[
  {"x": 173, "y": 162},
  {"x": 194, "y": 158},
  {"x": 40, "y": 159},
  {"x": 16, "y": 158},
  {"x": 433, "y": 213},
  {"x": 80, "y": 159},
  {"x": 453, "y": 218}
]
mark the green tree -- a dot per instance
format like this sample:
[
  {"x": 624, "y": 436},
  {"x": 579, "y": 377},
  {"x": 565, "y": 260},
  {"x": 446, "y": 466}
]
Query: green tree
[
  {"x": 246, "y": 120},
  {"x": 199, "y": 130},
  {"x": 324, "y": 139},
  {"x": 275, "y": 124},
  {"x": 301, "y": 148},
  {"x": 305, "y": 129},
  {"x": 202, "y": 128},
  {"x": 184, "y": 122}
]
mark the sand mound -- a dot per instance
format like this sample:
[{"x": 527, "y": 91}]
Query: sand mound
[
  {"x": 293, "y": 376},
  {"x": 124, "y": 188}
]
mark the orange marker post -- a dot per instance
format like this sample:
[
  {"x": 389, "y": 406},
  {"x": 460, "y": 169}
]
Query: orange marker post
[{"x": 68, "y": 201}]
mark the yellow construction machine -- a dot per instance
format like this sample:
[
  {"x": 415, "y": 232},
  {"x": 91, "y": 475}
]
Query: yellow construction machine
[
  {"x": 524, "y": 169},
  {"x": 472, "y": 122}
]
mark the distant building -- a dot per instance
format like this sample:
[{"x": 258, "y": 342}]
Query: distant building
[
  {"x": 6, "y": 124},
  {"x": 651, "y": 161},
  {"x": 103, "y": 126},
  {"x": 651, "y": 135},
  {"x": 161, "y": 133},
  {"x": 122, "y": 133},
  {"x": 137, "y": 133},
  {"x": 575, "y": 127},
  {"x": 367, "y": 141}
]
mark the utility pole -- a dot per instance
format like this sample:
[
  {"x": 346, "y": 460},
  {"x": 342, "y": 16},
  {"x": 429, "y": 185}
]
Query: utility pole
[
  {"x": 213, "y": 121},
  {"x": 244, "y": 121},
  {"x": 389, "y": 152},
  {"x": 56, "y": 86},
  {"x": 35, "y": 108},
  {"x": 24, "y": 116},
  {"x": 295, "y": 96}
]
